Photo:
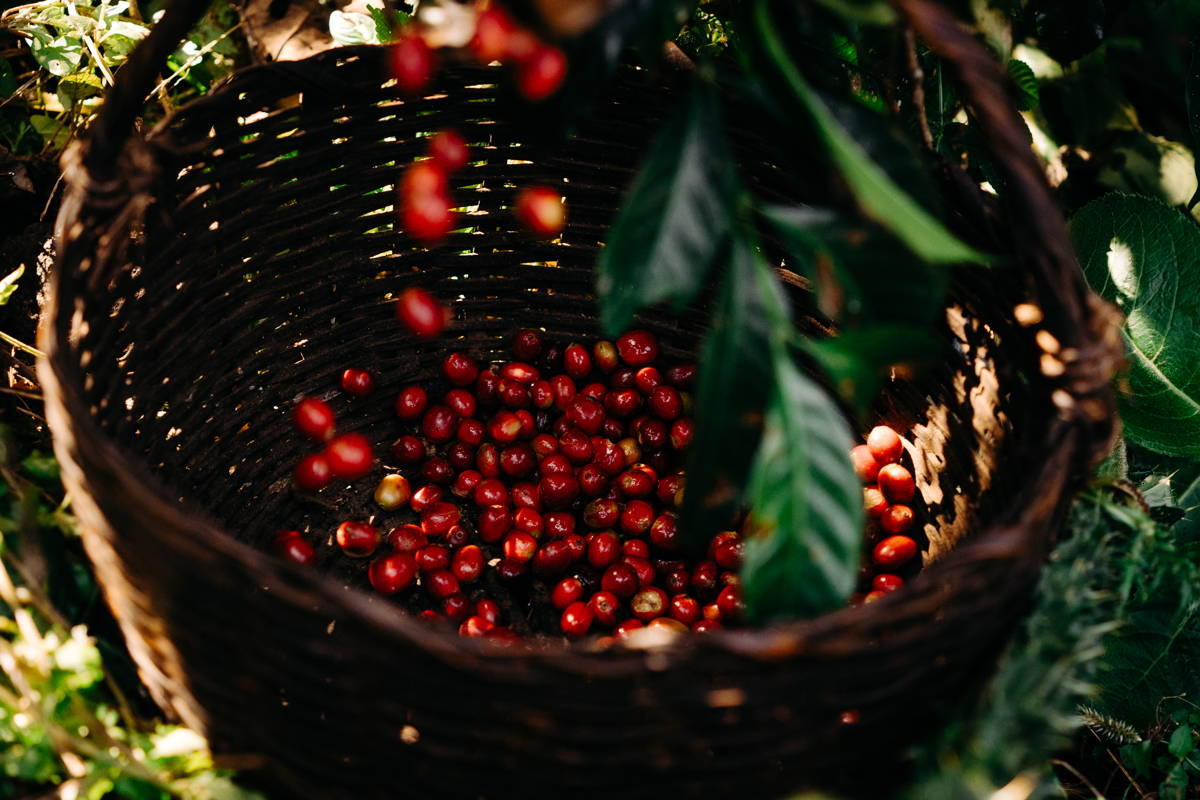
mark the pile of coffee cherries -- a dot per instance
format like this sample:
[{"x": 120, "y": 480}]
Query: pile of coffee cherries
[
  {"x": 888, "y": 497},
  {"x": 534, "y": 495}
]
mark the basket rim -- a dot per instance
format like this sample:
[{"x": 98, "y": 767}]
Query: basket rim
[{"x": 1021, "y": 538}]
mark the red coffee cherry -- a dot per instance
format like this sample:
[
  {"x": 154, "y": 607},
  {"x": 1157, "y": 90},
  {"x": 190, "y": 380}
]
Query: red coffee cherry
[
  {"x": 601, "y": 513},
  {"x": 519, "y": 546},
  {"x": 730, "y": 603},
  {"x": 676, "y": 581},
  {"x": 544, "y": 445},
  {"x": 566, "y": 592},
  {"x": 705, "y": 578},
  {"x": 460, "y": 369},
  {"x": 313, "y": 473},
  {"x": 865, "y": 464},
  {"x": 576, "y": 544},
  {"x": 467, "y": 564},
  {"x": 485, "y": 388},
  {"x": 540, "y": 75},
  {"x": 575, "y": 445},
  {"x": 665, "y": 402},
  {"x": 457, "y": 607},
  {"x": 636, "y": 547},
  {"x": 439, "y": 424},
  {"x": 681, "y": 375},
  {"x": 897, "y": 519},
  {"x": 509, "y": 569},
  {"x": 542, "y": 394},
  {"x": 357, "y": 382},
  {"x": 432, "y": 558},
  {"x": 681, "y": 433},
  {"x": 357, "y": 539},
  {"x": 448, "y": 150},
  {"x": 513, "y": 394},
  {"x": 636, "y": 517},
  {"x": 296, "y": 549},
  {"x": 592, "y": 481},
  {"x": 420, "y": 313},
  {"x": 349, "y": 456},
  {"x": 705, "y": 626},
  {"x": 489, "y": 609},
  {"x": 894, "y": 551},
  {"x": 564, "y": 390},
  {"x": 896, "y": 483},
  {"x": 885, "y": 444},
  {"x": 411, "y": 402},
  {"x": 552, "y": 559},
  {"x": 491, "y": 492},
  {"x": 493, "y": 29},
  {"x": 603, "y": 549},
  {"x": 642, "y": 568},
  {"x": 411, "y": 63},
  {"x": 425, "y": 497},
  {"x": 635, "y": 482},
  {"x": 605, "y": 606},
  {"x": 439, "y": 517},
  {"x": 527, "y": 344},
  {"x": 621, "y": 580},
  {"x": 576, "y": 361},
  {"x": 408, "y": 450},
  {"x": 622, "y": 402},
  {"x": 461, "y": 402},
  {"x": 576, "y": 620},
  {"x": 528, "y": 520},
  {"x": 517, "y": 461},
  {"x": 520, "y": 372},
  {"x": 437, "y": 470},
  {"x": 886, "y": 582},
  {"x": 647, "y": 379},
  {"x": 476, "y": 627},
  {"x": 442, "y": 584},
  {"x": 540, "y": 209},
  {"x": 627, "y": 627},
  {"x": 526, "y": 495},
  {"x": 558, "y": 491},
  {"x": 314, "y": 418},
  {"x": 637, "y": 348},
  {"x": 664, "y": 532},
  {"x": 391, "y": 573},
  {"x": 559, "y": 524},
  {"x": 407, "y": 538},
  {"x": 684, "y": 608},
  {"x": 470, "y": 431},
  {"x": 494, "y": 522}
]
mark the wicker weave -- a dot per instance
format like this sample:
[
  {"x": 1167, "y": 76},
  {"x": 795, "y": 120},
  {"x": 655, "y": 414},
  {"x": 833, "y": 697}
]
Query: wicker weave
[{"x": 262, "y": 261}]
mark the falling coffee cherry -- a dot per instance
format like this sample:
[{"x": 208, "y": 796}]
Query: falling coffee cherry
[
  {"x": 448, "y": 150},
  {"x": 421, "y": 313},
  {"x": 541, "y": 210},
  {"x": 493, "y": 29},
  {"x": 314, "y": 418},
  {"x": 411, "y": 62},
  {"x": 541, "y": 73}
]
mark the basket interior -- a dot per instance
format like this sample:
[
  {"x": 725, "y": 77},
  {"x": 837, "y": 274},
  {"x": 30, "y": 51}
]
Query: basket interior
[{"x": 270, "y": 260}]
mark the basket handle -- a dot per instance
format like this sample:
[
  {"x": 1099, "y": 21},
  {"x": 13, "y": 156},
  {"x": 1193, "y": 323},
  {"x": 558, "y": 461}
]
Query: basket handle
[
  {"x": 134, "y": 80},
  {"x": 1086, "y": 329}
]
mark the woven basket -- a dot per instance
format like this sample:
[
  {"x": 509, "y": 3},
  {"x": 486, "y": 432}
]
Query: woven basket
[{"x": 242, "y": 254}]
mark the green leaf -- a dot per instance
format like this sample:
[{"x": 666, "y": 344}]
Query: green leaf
[
  {"x": 54, "y": 131},
  {"x": 58, "y": 56},
  {"x": 76, "y": 87},
  {"x": 1182, "y": 742},
  {"x": 806, "y": 504},
  {"x": 868, "y": 12},
  {"x": 40, "y": 466},
  {"x": 1145, "y": 257},
  {"x": 879, "y": 197},
  {"x": 1025, "y": 82},
  {"x": 734, "y": 382},
  {"x": 8, "y": 79},
  {"x": 857, "y": 359},
  {"x": 675, "y": 218},
  {"x": 8, "y": 284},
  {"x": 859, "y": 271}
]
